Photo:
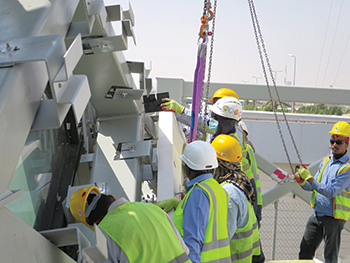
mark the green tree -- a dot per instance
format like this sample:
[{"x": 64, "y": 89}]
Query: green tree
[
  {"x": 248, "y": 107},
  {"x": 321, "y": 109}
]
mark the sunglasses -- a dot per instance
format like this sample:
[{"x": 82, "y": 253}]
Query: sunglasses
[{"x": 339, "y": 142}]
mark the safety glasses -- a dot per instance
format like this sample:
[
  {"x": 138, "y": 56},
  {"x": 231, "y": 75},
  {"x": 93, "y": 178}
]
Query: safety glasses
[{"x": 339, "y": 142}]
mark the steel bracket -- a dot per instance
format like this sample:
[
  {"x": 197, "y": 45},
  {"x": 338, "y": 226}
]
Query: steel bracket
[
  {"x": 67, "y": 89},
  {"x": 126, "y": 150}
]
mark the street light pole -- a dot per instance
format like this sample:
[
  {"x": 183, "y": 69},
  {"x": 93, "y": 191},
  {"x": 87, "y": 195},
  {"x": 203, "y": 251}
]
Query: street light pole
[
  {"x": 281, "y": 70},
  {"x": 295, "y": 68},
  {"x": 256, "y": 81},
  {"x": 256, "y": 78}
]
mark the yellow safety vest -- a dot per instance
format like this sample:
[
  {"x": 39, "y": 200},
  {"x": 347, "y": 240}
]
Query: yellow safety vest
[
  {"x": 143, "y": 232},
  {"x": 216, "y": 246},
  {"x": 245, "y": 243},
  {"x": 255, "y": 171},
  {"x": 245, "y": 163},
  {"x": 341, "y": 202}
]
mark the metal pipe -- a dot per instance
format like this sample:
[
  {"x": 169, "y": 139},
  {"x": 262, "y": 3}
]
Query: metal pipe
[{"x": 274, "y": 230}]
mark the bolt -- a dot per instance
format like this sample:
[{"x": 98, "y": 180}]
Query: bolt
[
  {"x": 132, "y": 148},
  {"x": 59, "y": 85},
  {"x": 124, "y": 94}
]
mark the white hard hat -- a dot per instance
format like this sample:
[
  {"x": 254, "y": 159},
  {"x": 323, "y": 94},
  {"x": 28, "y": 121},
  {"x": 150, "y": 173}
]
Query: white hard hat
[
  {"x": 199, "y": 155},
  {"x": 228, "y": 107},
  {"x": 244, "y": 127}
]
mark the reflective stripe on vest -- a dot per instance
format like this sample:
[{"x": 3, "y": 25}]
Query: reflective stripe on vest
[
  {"x": 245, "y": 243},
  {"x": 255, "y": 172},
  {"x": 341, "y": 203},
  {"x": 216, "y": 242},
  {"x": 136, "y": 224}
]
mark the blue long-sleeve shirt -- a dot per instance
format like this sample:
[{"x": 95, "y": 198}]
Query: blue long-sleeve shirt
[
  {"x": 330, "y": 185},
  {"x": 196, "y": 215},
  {"x": 237, "y": 209}
]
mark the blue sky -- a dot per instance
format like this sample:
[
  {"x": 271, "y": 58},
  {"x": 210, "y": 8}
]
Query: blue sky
[{"x": 315, "y": 31}]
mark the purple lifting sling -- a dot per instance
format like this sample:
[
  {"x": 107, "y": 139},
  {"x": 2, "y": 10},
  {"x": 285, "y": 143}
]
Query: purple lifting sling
[{"x": 197, "y": 88}]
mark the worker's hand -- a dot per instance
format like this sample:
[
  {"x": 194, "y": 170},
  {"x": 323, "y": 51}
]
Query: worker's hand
[
  {"x": 172, "y": 105},
  {"x": 298, "y": 179},
  {"x": 168, "y": 204},
  {"x": 305, "y": 173}
]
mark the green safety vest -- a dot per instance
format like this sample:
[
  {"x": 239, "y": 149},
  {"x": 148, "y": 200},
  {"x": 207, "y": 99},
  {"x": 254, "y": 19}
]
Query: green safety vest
[
  {"x": 143, "y": 232},
  {"x": 341, "y": 202},
  {"x": 245, "y": 163},
  {"x": 255, "y": 172},
  {"x": 245, "y": 243},
  {"x": 216, "y": 246}
]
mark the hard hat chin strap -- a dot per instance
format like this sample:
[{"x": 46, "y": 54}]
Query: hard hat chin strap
[{"x": 92, "y": 206}]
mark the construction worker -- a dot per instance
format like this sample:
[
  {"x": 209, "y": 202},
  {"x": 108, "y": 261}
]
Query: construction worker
[
  {"x": 183, "y": 114},
  {"x": 255, "y": 180},
  {"x": 330, "y": 199},
  {"x": 135, "y": 231},
  {"x": 201, "y": 216},
  {"x": 226, "y": 114},
  {"x": 241, "y": 222}
]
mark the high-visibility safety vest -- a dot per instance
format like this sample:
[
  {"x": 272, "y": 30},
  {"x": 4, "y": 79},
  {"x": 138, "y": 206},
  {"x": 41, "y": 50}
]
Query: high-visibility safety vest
[
  {"x": 341, "y": 202},
  {"x": 143, "y": 232},
  {"x": 245, "y": 243},
  {"x": 255, "y": 171},
  {"x": 245, "y": 163},
  {"x": 216, "y": 247}
]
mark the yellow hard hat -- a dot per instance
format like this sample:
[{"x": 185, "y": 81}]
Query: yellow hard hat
[
  {"x": 227, "y": 148},
  {"x": 341, "y": 128},
  {"x": 224, "y": 92},
  {"x": 77, "y": 203}
]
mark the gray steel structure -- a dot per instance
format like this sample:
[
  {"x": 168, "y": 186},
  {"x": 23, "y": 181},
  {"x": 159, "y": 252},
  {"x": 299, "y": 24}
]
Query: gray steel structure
[{"x": 73, "y": 116}]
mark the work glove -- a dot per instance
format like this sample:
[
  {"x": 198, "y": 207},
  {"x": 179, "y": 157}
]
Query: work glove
[
  {"x": 305, "y": 173},
  {"x": 172, "y": 105},
  {"x": 281, "y": 176},
  {"x": 168, "y": 204},
  {"x": 298, "y": 179}
]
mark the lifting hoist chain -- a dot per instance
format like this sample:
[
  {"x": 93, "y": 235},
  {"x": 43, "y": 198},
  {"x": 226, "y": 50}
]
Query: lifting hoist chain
[
  {"x": 210, "y": 60},
  {"x": 206, "y": 11},
  {"x": 260, "y": 43},
  {"x": 208, "y": 15}
]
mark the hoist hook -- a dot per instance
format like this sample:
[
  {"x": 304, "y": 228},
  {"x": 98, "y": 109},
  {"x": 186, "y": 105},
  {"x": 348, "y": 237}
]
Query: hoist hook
[
  {"x": 210, "y": 12},
  {"x": 204, "y": 19},
  {"x": 204, "y": 24}
]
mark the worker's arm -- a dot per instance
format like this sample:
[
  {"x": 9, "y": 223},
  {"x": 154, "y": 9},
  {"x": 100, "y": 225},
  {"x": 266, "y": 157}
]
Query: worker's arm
[
  {"x": 168, "y": 204},
  {"x": 237, "y": 209},
  {"x": 337, "y": 184},
  {"x": 196, "y": 214},
  {"x": 184, "y": 115}
]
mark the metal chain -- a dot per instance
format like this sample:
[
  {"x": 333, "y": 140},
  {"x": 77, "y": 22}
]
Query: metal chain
[
  {"x": 201, "y": 135},
  {"x": 210, "y": 61},
  {"x": 260, "y": 41},
  {"x": 205, "y": 7}
]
